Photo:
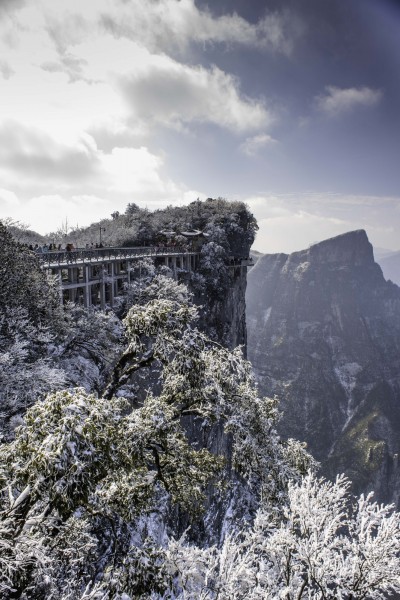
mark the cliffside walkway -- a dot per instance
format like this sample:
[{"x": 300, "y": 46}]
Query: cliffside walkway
[{"x": 96, "y": 276}]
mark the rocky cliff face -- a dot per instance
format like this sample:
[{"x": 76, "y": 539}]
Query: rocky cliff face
[
  {"x": 324, "y": 336},
  {"x": 223, "y": 318}
]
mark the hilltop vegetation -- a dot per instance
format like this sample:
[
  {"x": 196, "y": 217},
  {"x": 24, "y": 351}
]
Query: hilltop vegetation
[{"x": 140, "y": 226}]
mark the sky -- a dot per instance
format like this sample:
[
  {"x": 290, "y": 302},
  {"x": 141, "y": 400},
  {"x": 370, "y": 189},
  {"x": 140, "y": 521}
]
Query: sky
[{"x": 292, "y": 106}]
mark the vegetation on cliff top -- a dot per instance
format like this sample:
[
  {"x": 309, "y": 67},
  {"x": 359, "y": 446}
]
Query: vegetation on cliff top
[{"x": 140, "y": 226}]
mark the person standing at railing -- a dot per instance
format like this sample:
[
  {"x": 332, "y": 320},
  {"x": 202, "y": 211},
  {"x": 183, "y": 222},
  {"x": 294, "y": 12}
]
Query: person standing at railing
[{"x": 69, "y": 248}]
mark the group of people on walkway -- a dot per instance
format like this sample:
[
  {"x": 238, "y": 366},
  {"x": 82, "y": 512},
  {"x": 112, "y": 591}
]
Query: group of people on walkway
[
  {"x": 58, "y": 248},
  {"x": 45, "y": 248}
]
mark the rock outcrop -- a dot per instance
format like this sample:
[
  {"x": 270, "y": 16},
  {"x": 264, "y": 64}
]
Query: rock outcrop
[{"x": 324, "y": 336}]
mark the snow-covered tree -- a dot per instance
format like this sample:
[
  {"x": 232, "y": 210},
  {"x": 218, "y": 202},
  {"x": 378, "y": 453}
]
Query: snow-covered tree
[
  {"x": 327, "y": 546},
  {"x": 86, "y": 477},
  {"x": 27, "y": 372},
  {"x": 149, "y": 282},
  {"x": 87, "y": 346},
  {"x": 23, "y": 284}
]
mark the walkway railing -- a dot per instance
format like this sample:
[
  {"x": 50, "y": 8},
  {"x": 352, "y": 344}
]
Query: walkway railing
[{"x": 83, "y": 255}]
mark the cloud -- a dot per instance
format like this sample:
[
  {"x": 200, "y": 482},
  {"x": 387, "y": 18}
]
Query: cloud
[
  {"x": 337, "y": 100},
  {"x": 7, "y": 6},
  {"x": 173, "y": 94},
  {"x": 5, "y": 70},
  {"x": 32, "y": 153},
  {"x": 8, "y": 198},
  {"x": 46, "y": 212},
  {"x": 252, "y": 145},
  {"x": 68, "y": 31},
  {"x": 168, "y": 25},
  {"x": 140, "y": 88},
  {"x": 70, "y": 65},
  {"x": 134, "y": 170},
  {"x": 30, "y": 158},
  {"x": 44, "y": 181}
]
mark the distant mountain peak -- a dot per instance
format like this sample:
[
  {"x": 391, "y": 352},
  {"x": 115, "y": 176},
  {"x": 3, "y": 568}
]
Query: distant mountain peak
[{"x": 351, "y": 248}]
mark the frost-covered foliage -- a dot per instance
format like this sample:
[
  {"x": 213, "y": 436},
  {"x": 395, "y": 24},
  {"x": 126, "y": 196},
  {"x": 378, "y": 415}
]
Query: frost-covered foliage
[
  {"x": 79, "y": 473},
  {"x": 149, "y": 282},
  {"x": 78, "y": 350},
  {"x": 88, "y": 346},
  {"x": 86, "y": 477},
  {"x": 91, "y": 482},
  {"x": 326, "y": 547},
  {"x": 139, "y": 226},
  {"x": 23, "y": 285},
  {"x": 214, "y": 268},
  {"x": 26, "y": 369},
  {"x": 43, "y": 346}
]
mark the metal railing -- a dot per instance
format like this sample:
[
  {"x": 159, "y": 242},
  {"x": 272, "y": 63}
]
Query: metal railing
[{"x": 84, "y": 255}]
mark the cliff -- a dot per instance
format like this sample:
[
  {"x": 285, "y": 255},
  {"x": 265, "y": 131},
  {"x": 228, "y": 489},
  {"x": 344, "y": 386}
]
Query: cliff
[
  {"x": 324, "y": 336},
  {"x": 223, "y": 316}
]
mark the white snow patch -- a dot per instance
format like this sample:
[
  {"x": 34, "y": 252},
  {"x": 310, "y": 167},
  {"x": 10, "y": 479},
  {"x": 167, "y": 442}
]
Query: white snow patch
[
  {"x": 337, "y": 313},
  {"x": 300, "y": 270},
  {"x": 347, "y": 376},
  {"x": 266, "y": 314},
  {"x": 304, "y": 325}
]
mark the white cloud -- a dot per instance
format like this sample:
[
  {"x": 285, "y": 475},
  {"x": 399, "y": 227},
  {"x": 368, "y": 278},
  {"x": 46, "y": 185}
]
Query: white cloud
[
  {"x": 253, "y": 145},
  {"x": 168, "y": 25},
  {"x": 135, "y": 170},
  {"x": 8, "y": 199},
  {"x": 173, "y": 94},
  {"x": 47, "y": 212},
  {"x": 59, "y": 46},
  {"x": 338, "y": 100},
  {"x": 78, "y": 165},
  {"x": 34, "y": 154},
  {"x": 5, "y": 70},
  {"x": 80, "y": 183}
]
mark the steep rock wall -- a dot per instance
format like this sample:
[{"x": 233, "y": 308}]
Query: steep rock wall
[
  {"x": 324, "y": 336},
  {"x": 223, "y": 316}
]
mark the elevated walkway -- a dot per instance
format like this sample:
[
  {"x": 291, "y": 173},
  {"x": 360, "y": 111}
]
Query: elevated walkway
[{"x": 95, "y": 277}]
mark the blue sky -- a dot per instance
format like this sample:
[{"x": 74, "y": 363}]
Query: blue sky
[{"x": 289, "y": 105}]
